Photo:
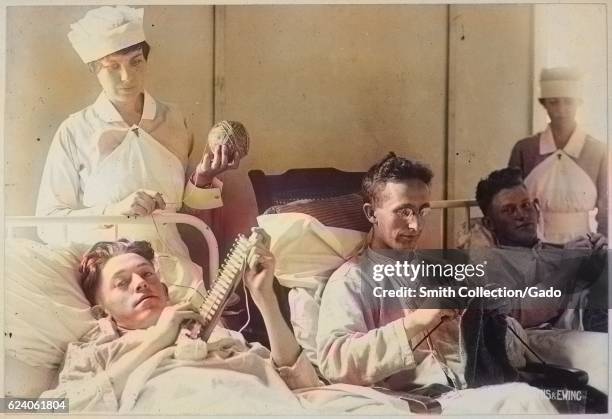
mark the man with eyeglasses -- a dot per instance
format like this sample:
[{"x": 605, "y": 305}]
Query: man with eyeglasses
[
  {"x": 394, "y": 342},
  {"x": 521, "y": 259}
]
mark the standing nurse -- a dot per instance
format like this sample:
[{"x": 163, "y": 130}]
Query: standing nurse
[
  {"x": 564, "y": 167},
  {"x": 127, "y": 153}
]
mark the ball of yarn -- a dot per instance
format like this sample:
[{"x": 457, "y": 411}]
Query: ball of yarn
[{"x": 231, "y": 133}]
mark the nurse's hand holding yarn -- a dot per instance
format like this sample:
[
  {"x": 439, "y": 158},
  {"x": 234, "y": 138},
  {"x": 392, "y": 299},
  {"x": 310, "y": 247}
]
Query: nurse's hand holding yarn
[
  {"x": 213, "y": 164},
  {"x": 234, "y": 135},
  {"x": 228, "y": 142},
  {"x": 142, "y": 202}
]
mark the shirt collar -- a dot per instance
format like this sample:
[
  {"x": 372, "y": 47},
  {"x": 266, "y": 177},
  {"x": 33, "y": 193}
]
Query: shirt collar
[
  {"x": 107, "y": 111},
  {"x": 538, "y": 245},
  {"x": 108, "y": 329},
  {"x": 573, "y": 146},
  {"x": 391, "y": 256}
]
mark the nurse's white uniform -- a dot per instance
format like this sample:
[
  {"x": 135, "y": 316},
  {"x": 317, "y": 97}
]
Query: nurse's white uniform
[
  {"x": 571, "y": 187},
  {"x": 567, "y": 194},
  {"x": 96, "y": 160},
  {"x": 138, "y": 162}
]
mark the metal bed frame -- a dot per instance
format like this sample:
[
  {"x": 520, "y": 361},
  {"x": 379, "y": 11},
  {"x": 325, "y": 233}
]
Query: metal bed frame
[{"x": 13, "y": 222}]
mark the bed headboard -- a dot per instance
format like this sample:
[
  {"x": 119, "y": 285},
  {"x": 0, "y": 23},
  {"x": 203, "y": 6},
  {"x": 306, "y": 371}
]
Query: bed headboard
[
  {"x": 306, "y": 183},
  {"x": 327, "y": 182},
  {"x": 14, "y": 222}
]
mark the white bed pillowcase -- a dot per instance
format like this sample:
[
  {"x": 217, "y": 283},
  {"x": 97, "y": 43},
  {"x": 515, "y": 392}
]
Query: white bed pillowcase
[
  {"x": 45, "y": 310},
  {"x": 307, "y": 253},
  {"x": 45, "y": 306}
]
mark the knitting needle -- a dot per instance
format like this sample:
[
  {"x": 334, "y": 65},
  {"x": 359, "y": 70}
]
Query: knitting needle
[
  {"x": 429, "y": 333},
  {"x": 524, "y": 344}
]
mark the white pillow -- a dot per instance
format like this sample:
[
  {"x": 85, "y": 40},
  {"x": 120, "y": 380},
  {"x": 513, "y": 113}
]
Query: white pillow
[
  {"x": 307, "y": 253},
  {"x": 181, "y": 275},
  {"x": 45, "y": 306}
]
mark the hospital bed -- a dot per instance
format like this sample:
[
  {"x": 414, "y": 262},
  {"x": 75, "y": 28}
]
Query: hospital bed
[
  {"x": 332, "y": 197},
  {"x": 47, "y": 310},
  {"x": 39, "y": 331},
  {"x": 274, "y": 191},
  {"x": 44, "y": 372},
  {"x": 13, "y": 223}
]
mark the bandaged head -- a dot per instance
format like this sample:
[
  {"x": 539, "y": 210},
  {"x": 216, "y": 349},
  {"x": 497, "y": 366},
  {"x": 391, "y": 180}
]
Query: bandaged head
[
  {"x": 105, "y": 30},
  {"x": 560, "y": 82}
]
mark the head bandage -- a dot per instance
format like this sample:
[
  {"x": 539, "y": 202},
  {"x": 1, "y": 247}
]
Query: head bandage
[
  {"x": 560, "y": 82},
  {"x": 232, "y": 133},
  {"x": 105, "y": 30}
]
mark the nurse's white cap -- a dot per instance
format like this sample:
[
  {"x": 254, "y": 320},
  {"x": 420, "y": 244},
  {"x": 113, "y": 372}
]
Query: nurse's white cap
[
  {"x": 560, "y": 82},
  {"x": 105, "y": 30}
]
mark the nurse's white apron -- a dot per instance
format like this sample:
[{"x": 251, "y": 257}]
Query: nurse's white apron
[
  {"x": 567, "y": 197},
  {"x": 141, "y": 162},
  {"x": 138, "y": 162}
]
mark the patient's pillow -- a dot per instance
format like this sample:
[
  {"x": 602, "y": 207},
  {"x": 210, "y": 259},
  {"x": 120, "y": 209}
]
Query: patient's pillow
[
  {"x": 307, "y": 253},
  {"x": 45, "y": 310},
  {"x": 182, "y": 276},
  {"x": 45, "y": 306}
]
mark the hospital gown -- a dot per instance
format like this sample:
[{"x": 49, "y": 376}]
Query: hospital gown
[{"x": 361, "y": 340}]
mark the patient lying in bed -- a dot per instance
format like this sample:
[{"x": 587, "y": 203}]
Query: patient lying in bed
[{"x": 128, "y": 362}]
